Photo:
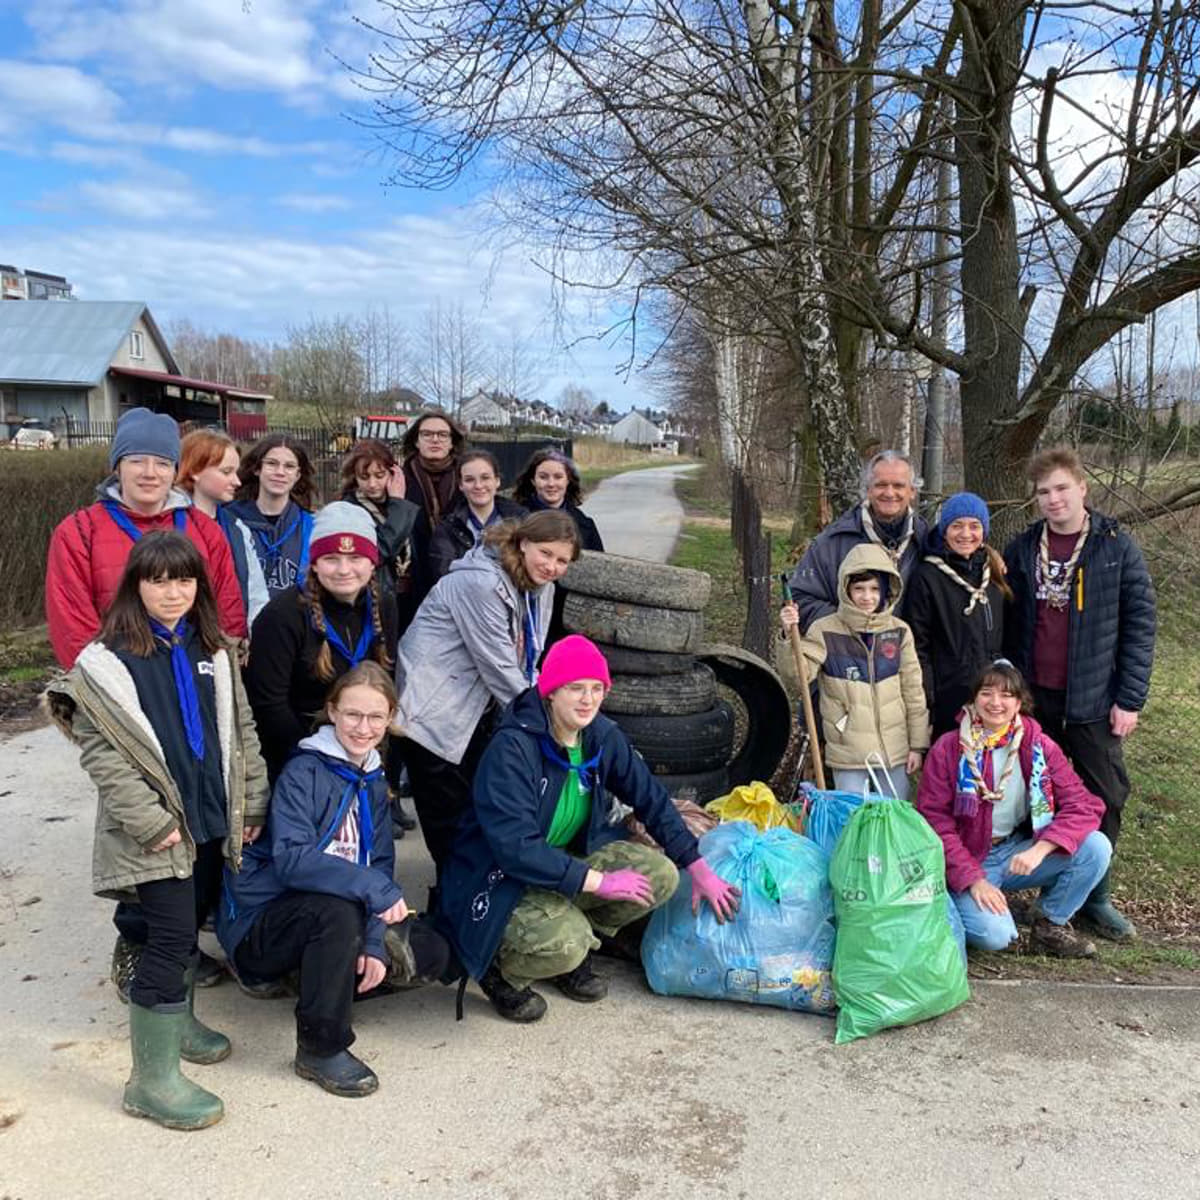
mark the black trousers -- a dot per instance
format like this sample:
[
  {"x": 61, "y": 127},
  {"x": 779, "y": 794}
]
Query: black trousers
[
  {"x": 442, "y": 789},
  {"x": 321, "y": 936},
  {"x": 1095, "y": 753},
  {"x": 165, "y": 920}
]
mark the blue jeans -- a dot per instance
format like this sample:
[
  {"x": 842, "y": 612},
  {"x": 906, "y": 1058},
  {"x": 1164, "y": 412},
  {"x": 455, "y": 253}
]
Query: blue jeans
[
  {"x": 856, "y": 779},
  {"x": 1066, "y": 880}
]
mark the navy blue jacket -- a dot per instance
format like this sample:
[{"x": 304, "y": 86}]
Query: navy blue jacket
[
  {"x": 307, "y": 807},
  {"x": 1110, "y": 648},
  {"x": 501, "y": 846},
  {"x": 286, "y": 563}
]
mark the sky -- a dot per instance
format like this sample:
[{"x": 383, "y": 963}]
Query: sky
[{"x": 203, "y": 156}]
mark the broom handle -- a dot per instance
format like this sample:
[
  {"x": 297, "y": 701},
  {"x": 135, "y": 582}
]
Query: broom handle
[{"x": 810, "y": 720}]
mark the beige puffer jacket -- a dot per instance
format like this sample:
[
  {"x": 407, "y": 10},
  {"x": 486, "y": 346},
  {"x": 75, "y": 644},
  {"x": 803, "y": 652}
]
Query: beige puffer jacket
[
  {"x": 872, "y": 701},
  {"x": 96, "y": 706}
]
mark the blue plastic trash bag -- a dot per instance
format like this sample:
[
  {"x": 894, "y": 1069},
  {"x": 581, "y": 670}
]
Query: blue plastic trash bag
[
  {"x": 825, "y": 814},
  {"x": 778, "y": 950}
]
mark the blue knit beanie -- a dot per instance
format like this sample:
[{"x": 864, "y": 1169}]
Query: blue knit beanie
[
  {"x": 963, "y": 504},
  {"x": 141, "y": 431}
]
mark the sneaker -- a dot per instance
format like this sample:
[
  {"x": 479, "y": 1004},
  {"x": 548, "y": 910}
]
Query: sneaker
[
  {"x": 582, "y": 984},
  {"x": 340, "y": 1073},
  {"x": 1059, "y": 941},
  {"x": 125, "y": 957},
  {"x": 513, "y": 1004}
]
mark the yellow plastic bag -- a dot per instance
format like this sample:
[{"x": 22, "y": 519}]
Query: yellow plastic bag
[{"x": 753, "y": 802}]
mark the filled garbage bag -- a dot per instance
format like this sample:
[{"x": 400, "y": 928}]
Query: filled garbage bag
[
  {"x": 753, "y": 802},
  {"x": 777, "y": 950},
  {"x": 896, "y": 960},
  {"x": 822, "y": 815}
]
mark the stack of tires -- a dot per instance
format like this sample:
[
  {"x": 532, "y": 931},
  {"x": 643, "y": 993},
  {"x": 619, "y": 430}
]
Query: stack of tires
[{"x": 648, "y": 620}]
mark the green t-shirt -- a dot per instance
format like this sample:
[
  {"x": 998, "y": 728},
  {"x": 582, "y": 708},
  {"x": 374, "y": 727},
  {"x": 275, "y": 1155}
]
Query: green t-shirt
[{"x": 574, "y": 804}]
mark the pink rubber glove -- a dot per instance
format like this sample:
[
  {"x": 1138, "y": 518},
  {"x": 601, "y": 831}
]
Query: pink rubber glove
[
  {"x": 708, "y": 885},
  {"x": 626, "y": 884}
]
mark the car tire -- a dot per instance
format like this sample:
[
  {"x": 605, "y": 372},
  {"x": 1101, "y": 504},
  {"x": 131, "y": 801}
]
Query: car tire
[
  {"x": 674, "y": 745},
  {"x": 638, "y": 626},
  {"x": 624, "y": 661},
  {"x": 638, "y": 581},
  {"x": 702, "y": 786},
  {"x": 688, "y": 692},
  {"x": 768, "y": 710}
]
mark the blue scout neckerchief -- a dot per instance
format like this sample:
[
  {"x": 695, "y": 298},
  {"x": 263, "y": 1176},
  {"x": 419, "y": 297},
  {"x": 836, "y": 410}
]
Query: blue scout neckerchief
[
  {"x": 365, "y": 638},
  {"x": 532, "y": 646},
  {"x": 358, "y": 783},
  {"x": 185, "y": 682},
  {"x": 114, "y": 510},
  {"x": 585, "y": 770}
]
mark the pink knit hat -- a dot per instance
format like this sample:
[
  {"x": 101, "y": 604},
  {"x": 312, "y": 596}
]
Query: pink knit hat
[{"x": 571, "y": 659}]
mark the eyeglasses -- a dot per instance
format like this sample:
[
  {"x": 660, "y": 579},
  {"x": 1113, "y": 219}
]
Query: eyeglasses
[
  {"x": 285, "y": 468},
  {"x": 372, "y": 720},
  {"x": 435, "y": 435}
]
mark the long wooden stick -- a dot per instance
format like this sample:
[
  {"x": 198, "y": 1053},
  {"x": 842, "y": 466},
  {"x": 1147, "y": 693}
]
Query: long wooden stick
[{"x": 810, "y": 720}]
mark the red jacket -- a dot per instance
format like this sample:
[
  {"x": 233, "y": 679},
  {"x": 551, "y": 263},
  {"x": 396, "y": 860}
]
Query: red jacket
[
  {"x": 967, "y": 839},
  {"x": 87, "y": 557}
]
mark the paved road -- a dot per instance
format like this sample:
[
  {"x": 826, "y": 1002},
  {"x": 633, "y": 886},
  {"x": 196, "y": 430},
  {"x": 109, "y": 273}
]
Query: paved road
[
  {"x": 637, "y": 512},
  {"x": 1028, "y": 1091}
]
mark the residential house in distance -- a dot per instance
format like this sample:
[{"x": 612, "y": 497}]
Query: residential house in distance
[
  {"x": 16, "y": 284},
  {"x": 635, "y": 429}
]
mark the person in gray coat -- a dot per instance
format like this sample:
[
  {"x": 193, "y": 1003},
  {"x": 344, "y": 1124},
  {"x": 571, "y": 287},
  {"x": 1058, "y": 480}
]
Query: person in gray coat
[
  {"x": 473, "y": 646},
  {"x": 886, "y": 516}
]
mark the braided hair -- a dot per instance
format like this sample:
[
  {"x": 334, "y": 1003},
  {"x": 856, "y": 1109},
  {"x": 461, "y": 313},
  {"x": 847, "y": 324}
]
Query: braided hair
[{"x": 312, "y": 598}]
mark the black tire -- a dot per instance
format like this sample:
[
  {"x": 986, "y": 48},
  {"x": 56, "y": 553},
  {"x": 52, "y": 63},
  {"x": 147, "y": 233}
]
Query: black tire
[
  {"x": 768, "y": 710},
  {"x": 701, "y": 787},
  {"x": 634, "y": 625},
  {"x": 690, "y": 692},
  {"x": 682, "y": 745},
  {"x": 623, "y": 661},
  {"x": 638, "y": 581}
]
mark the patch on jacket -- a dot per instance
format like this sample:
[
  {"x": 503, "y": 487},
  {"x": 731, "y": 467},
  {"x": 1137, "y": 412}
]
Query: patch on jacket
[{"x": 847, "y": 658}]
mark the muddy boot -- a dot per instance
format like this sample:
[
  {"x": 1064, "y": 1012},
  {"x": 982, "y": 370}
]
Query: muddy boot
[
  {"x": 125, "y": 957},
  {"x": 209, "y": 971},
  {"x": 582, "y": 984},
  {"x": 199, "y": 1044},
  {"x": 156, "y": 1089},
  {"x": 1059, "y": 941},
  {"x": 340, "y": 1073},
  {"x": 513, "y": 1004},
  {"x": 1098, "y": 915}
]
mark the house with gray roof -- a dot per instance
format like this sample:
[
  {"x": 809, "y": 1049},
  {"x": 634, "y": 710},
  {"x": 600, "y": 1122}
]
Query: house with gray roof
[{"x": 85, "y": 361}]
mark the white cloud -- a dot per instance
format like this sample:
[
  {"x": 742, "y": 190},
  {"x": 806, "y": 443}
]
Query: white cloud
[
  {"x": 314, "y": 202},
  {"x": 35, "y": 93},
  {"x": 142, "y": 201},
  {"x": 210, "y": 141}
]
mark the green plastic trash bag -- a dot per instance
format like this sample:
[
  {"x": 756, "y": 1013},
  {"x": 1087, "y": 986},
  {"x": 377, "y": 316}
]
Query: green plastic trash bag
[{"x": 895, "y": 961}]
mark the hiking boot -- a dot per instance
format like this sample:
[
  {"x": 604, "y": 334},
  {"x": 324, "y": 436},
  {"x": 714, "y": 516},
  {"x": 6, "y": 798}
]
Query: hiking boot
[
  {"x": 340, "y": 1073},
  {"x": 1059, "y": 941},
  {"x": 209, "y": 971},
  {"x": 125, "y": 957},
  {"x": 513, "y": 1004},
  {"x": 198, "y": 1043},
  {"x": 582, "y": 984},
  {"x": 156, "y": 1089},
  {"x": 1023, "y": 907}
]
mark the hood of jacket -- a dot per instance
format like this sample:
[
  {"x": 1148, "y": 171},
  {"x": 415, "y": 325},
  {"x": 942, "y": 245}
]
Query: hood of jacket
[
  {"x": 110, "y": 489},
  {"x": 868, "y": 557},
  {"x": 325, "y": 742}
]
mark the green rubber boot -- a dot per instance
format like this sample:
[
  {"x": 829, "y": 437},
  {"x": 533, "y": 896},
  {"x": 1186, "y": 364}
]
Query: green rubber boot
[
  {"x": 156, "y": 1089},
  {"x": 199, "y": 1044},
  {"x": 1098, "y": 915}
]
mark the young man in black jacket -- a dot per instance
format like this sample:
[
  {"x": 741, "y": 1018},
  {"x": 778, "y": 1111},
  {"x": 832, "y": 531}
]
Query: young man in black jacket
[{"x": 1081, "y": 630}]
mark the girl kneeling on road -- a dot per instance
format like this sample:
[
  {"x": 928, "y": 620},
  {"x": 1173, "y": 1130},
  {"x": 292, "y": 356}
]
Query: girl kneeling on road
[
  {"x": 541, "y": 862},
  {"x": 317, "y": 893},
  {"x": 1012, "y": 814},
  {"x": 165, "y": 731}
]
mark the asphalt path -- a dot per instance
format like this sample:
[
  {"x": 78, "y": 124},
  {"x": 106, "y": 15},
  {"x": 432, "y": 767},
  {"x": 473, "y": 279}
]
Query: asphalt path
[
  {"x": 637, "y": 512},
  {"x": 1027, "y": 1091}
]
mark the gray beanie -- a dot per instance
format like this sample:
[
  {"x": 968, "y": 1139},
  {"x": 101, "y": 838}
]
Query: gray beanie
[
  {"x": 343, "y": 528},
  {"x": 140, "y": 431}
]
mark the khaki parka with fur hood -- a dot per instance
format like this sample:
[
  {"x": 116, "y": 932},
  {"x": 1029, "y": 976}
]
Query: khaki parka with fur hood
[
  {"x": 872, "y": 699},
  {"x": 96, "y": 705}
]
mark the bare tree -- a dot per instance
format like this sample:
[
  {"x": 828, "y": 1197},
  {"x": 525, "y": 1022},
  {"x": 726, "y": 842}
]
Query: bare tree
[
  {"x": 576, "y": 401},
  {"x": 450, "y": 356},
  {"x": 321, "y": 371},
  {"x": 384, "y": 349},
  {"x": 217, "y": 357}
]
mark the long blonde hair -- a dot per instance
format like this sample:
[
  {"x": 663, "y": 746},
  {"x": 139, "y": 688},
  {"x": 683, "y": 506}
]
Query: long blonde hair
[{"x": 548, "y": 525}]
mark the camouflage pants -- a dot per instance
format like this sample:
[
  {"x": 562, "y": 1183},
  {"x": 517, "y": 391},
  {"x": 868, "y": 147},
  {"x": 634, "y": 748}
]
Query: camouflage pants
[{"x": 549, "y": 934}]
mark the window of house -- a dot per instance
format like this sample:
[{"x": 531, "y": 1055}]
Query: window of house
[{"x": 137, "y": 347}]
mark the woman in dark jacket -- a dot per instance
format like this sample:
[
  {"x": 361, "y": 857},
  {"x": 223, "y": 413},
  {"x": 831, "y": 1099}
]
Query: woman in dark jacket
[
  {"x": 317, "y": 893},
  {"x": 372, "y": 479},
  {"x": 954, "y": 605},
  {"x": 307, "y": 636},
  {"x": 432, "y": 444},
  {"x": 477, "y": 507},
  {"x": 541, "y": 861},
  {"x": 551, "y": 480}
]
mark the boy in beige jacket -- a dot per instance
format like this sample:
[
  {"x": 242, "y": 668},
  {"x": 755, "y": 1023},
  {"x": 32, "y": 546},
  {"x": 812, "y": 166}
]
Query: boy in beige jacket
[{"x": 869, "y": 682}]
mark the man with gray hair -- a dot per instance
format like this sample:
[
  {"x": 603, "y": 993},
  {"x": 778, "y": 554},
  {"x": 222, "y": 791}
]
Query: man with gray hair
[{"x": 886, "y": 517}]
